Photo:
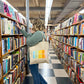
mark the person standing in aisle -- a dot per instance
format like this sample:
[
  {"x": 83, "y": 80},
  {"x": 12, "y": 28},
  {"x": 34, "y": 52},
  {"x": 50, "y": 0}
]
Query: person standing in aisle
[{"x": 34, "y": 38}]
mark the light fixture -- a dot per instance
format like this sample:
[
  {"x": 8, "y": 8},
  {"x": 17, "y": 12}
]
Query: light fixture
[
  {"x": 47, "y": 10},
  {"x": 82, "y": 11}
]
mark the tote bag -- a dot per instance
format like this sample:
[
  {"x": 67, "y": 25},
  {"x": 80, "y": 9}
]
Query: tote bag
[{"x": 39, "y": 53}]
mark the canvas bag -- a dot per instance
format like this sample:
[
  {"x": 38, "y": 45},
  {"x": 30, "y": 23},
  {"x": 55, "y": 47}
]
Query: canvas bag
[{"x": 39, "y": 53}]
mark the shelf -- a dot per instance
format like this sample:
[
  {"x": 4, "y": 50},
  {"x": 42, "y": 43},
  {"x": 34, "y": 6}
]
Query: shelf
[
  {"x": 12, "y": 51},
  {"x": 8, "y": 35},
  {"x": 71, "y": 25},
  {"x": 2, "y": 15},
  {"x": 7, "y": 73},
  {"x": 74, "y": 71},
  {"x": 11, "y": 69},
  {"x": 1, "y": 79},
  {"x": 74, "y": 59}
]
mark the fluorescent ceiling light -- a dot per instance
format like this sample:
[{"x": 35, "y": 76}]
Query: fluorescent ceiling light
[
  {"x": 47, "y": 10},
  {"x": 82, "y": 11}
]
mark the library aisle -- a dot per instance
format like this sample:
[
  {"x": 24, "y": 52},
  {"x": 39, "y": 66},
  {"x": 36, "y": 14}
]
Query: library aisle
[{"x": 53, "y": 72}]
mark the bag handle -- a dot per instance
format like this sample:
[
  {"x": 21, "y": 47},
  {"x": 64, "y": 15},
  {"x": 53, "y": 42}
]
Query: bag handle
[{"x": 43, "y": 37}]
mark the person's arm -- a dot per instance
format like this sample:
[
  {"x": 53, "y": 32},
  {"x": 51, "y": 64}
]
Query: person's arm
[
  {"x": 34, "y": 39},
  {"x": 22, "y": 31},
  {"x": 25, "y": 33}
]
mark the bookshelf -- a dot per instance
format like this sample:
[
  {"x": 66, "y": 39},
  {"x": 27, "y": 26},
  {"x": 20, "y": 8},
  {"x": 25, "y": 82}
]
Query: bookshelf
[
  {"x": 68, "y": 43},
  {"x": 13, "y": 54}
]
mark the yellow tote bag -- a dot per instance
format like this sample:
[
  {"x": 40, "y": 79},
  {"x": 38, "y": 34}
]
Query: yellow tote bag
[{"x": 39, "y": 53}]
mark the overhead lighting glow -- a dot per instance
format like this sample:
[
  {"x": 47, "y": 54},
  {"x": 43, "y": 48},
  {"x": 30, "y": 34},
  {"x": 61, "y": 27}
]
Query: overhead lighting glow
[
  {"x": 47, "y": 10},
  {"x": 82, "y": 11}
]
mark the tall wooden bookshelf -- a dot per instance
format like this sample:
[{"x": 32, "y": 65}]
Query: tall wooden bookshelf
[
  {"x": 4, "y": 56},
  {"x": 58, "y": 44}
]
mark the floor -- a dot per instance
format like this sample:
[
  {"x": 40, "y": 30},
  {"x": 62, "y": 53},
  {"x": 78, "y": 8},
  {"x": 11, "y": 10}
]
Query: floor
[{"x": 53, "y": 72}]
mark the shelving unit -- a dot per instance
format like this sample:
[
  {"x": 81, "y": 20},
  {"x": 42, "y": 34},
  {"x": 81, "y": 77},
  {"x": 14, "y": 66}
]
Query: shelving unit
[
  {"x": 65, "y": 57},
  {"x": 11, "y": 52}
]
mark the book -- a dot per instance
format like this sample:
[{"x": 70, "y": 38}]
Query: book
[
  {"x": 82, "y": 29},
  {"x": 1, "y": 7},
  {"x": 2, "y": 26},
  {"x": 4, "y": 66},
  {"x": 82, "y": 73},
  {"x": 81, "y": 43},
  {"x": 17, "y": 81},
  {"x": 3, "y": 47},
  {"x": 6, "y": 10},
  {"x": 82, "y": 59},
  {"x": 0, "y": 71}
]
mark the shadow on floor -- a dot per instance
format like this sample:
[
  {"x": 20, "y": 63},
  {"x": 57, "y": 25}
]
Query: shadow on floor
[{"x": 28, "y": 80}]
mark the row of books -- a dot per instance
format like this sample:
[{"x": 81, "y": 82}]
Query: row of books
[
  {"x": 9, "y": 27},
  {"x": 73, "y": 41},
  {"x": 77, "y": 29},
  {"x": 12, "y": 43},
  {"x": 10, "y": 12},
  {"x": 74, "y": 77},
  {"x": 73, "y": 30},
  {"x": 74, "y": 19},
  {"x": 10, "y": 61},
  {"x": 79, "y": 56},
  {"x": 12, "y": 76},
  {"x": 74, "y": 66},
  {"x": 8, "y": 79}
]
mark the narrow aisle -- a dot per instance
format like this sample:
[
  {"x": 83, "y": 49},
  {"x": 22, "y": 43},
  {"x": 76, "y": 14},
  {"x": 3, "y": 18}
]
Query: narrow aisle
[{"x": 53, "y": 72}]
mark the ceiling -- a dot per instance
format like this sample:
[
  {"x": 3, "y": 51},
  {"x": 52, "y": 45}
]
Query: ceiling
[{"x": 37, "y": 8}]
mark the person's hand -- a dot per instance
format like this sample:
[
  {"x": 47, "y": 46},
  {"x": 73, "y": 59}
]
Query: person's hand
[{"x": 18, "y": 26}]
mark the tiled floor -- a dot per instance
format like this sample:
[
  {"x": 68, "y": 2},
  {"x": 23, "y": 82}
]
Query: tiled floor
[{"x": 53, "y": 72}]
